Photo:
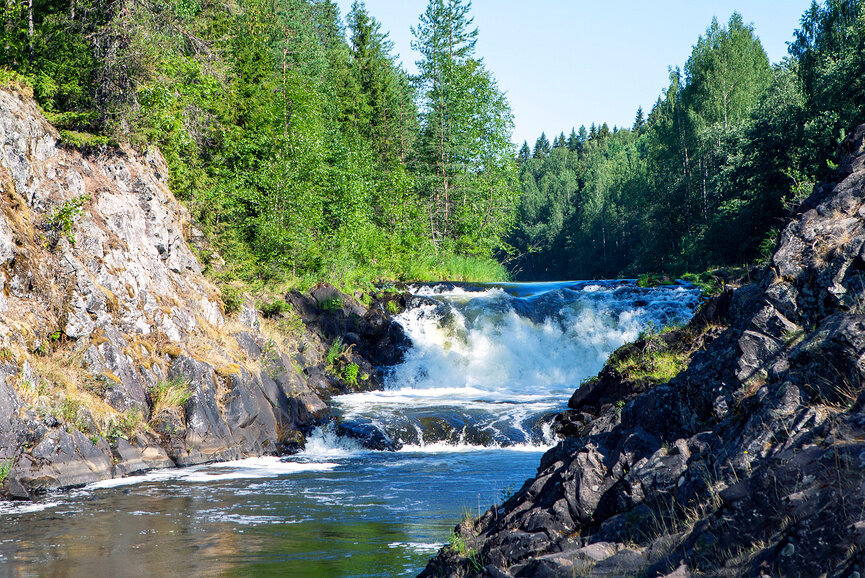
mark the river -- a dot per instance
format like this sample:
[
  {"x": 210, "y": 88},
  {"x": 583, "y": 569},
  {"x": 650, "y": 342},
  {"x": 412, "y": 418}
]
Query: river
[{"x": 468, "y": 409}]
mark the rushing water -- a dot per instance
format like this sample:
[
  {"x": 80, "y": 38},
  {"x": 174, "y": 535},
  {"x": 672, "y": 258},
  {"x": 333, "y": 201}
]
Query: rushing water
[{"x": 469, "y": 409}]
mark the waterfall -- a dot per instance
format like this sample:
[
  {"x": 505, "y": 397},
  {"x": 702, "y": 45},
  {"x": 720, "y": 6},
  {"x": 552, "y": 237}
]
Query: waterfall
[{"x": 490, "y": 365}]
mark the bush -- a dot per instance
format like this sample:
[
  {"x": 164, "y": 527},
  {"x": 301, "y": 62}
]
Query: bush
[
  {"x": 232, "y": 299},
  {"x": 62, "y": 220},
  {"x": 273, "y": 308},
  {"x": 85, "y": 141},
  {"x": 5, "y": 468},
  {"x": 350, "y": 372}
]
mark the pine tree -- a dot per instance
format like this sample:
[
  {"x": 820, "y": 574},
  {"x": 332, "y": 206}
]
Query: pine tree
[
  {"x": 381, "y": 108},
  {"x": 560, "y": 141},
  {"x": 542, "y": 147},
  {"x": 604, "y": 131},
  {"x": 525, "y": 153},
  {"x": 466, "y": 130},
  {"x": 574, "y": 142},
  {"x": 639, "y": 121}
]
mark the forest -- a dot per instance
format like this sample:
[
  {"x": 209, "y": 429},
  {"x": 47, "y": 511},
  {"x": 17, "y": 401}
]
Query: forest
[
  {"x": 707, "y": 178},
  {"x": 305, "y": 151}
]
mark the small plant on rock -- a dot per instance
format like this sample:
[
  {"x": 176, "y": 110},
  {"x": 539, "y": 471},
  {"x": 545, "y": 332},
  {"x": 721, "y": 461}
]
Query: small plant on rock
[
  {"x": 170, "y": 394},
  {"x": 60, "y": 222},
  {"x": 124, "y": 427},
  {"x": 334, "y": 352},
  {"x": 331, "y": 304},
  {"x": 5, "y": 468},
  {"x": 350, "y": 372}
]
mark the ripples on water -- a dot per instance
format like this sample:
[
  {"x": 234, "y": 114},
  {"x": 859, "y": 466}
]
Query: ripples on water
[{"x": 470, "y": 405}]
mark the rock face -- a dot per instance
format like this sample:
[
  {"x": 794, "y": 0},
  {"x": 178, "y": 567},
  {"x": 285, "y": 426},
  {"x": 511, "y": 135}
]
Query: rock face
[
  {"x": 115, "y": 352},
  {"x": 749, "y": 462}
]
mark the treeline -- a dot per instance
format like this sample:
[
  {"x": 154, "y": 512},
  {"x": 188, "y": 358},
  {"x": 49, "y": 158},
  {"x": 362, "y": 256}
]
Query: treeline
[
  {"x": 729, "y": 149},
  {"x": 297, "y": 140}
]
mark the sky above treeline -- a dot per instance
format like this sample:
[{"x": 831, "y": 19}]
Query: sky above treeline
[{"x": 566, "y": 63}]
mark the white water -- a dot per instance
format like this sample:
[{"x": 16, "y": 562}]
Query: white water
[{"x": 489, "y": 367}]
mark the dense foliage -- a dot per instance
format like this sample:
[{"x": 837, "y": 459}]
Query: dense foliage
[
  {"x": 707, "y": 178},
  {"x": 306, "y": 151},
  {"x": 298, "y": 144}
]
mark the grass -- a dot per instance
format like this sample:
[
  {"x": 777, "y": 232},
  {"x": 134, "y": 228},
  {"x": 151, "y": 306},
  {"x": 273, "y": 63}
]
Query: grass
[
  {"x": 5, "y": 468},
  {"x": 170, "y": 394},
  {"x": 657, "y": 367}
]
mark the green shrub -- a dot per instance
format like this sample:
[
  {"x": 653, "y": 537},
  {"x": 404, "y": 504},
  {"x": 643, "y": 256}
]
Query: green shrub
[
  {"x": 5, "y": 468},
  {"x": 273, "y": 308},
  {"x": 350, "y": 372},
  {"x": 707, "y": 282},
  {"x": 232, "y": 299},
  {"x": 62, "y": 220}
]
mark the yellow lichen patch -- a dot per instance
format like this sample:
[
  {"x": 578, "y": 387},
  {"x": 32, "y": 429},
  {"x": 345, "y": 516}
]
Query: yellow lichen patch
[
  {"x": 97, "y": 338},
  {"x": 113, "y": 377},
  {"x": 228, "y": 369},
  {"x": 172, "y": 349},
  {"x": 111, "y": 301},
  {"x": 141, "y": 350}
]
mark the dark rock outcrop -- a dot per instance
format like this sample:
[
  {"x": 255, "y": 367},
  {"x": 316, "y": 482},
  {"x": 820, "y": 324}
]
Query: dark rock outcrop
[{"x": 749, "y": 462}]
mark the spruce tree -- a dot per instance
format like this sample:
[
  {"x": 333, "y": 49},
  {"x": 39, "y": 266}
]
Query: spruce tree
[
  {"x": 542, "y": 147},
  {"x": 525, "y": 153},
  {"x": 639, "y": 121},
  {"x": 464, "y": 143}
]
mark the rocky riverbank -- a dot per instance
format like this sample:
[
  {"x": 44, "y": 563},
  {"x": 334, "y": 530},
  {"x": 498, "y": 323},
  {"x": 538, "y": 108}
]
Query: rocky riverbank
[
  {"x": 749, "y": 462},
  {"x": 116, "y": 354}
]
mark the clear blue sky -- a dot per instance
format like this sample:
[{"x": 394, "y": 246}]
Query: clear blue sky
[{"x": 564, "y": 63}]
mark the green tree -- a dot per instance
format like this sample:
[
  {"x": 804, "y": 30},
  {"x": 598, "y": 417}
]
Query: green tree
[
  {"x": 542, "y": 147},
  {"x": 464, "y": 144}
]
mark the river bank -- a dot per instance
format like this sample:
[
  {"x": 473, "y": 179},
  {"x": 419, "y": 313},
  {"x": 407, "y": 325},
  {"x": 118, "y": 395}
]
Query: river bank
[
  {"x": 116, "y": 353},
  {"x": 749, "y": 462}
]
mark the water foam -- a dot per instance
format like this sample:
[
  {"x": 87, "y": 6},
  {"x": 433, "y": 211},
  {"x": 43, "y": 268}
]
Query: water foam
[
  {"x": 489, "y": 366},
  {"x": 250, "y": 468}
]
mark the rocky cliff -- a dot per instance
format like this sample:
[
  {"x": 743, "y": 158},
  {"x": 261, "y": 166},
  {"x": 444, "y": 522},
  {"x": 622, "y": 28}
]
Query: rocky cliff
[
  {"x": 749, "y": 462},
  {"x": 116, "y": 355}
]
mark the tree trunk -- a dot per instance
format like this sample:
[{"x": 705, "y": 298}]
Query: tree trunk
[{"x": 30, "y": 30}]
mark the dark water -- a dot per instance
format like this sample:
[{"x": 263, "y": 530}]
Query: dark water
[{"x": 470, "y": 404}]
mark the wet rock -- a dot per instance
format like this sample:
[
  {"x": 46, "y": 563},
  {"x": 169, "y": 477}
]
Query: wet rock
[
  {"x": 131, "y": 460},
  {"x": 369, "y": 436},
  {"x": 63, "y": 459}
]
